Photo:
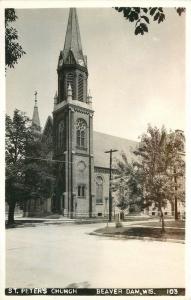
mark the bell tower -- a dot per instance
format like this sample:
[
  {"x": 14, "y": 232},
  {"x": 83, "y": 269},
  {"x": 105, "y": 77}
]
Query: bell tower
[{"x": 73, "y": 128}]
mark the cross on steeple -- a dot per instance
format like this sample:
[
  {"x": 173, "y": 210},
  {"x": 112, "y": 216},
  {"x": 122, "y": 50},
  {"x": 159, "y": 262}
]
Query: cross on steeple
[{"x": 35, "y": 99}]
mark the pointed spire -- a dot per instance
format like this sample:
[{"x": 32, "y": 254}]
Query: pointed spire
[
  {"x": 35, "y": 118},
  {"x": 73, "y": 40},
  {"x": 69, "y": 94}
]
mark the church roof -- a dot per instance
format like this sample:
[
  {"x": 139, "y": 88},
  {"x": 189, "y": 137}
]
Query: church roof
[
  {"x": 73, "y": 39},
  {"x": 103, "y": 142},
  {"x": 48, "y": 124}
]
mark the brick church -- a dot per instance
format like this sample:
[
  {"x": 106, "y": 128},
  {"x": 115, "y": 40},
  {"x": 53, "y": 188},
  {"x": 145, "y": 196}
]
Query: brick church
[{"x": 82, "y": 183}]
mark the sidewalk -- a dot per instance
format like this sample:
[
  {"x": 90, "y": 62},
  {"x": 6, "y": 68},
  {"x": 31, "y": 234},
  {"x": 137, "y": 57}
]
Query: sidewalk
[
  {"x": 62, "y": 219},
  {"x": 58, "y": 220},
  {"x": 42, "y": 219}
]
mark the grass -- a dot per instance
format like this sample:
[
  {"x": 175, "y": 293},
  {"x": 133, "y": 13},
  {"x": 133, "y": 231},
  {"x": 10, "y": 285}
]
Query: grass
[
  {"x": 148, "y": 230},
  {"x": 177, "y": 224}
]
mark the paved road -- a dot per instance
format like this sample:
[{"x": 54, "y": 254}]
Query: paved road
[{"x": 65, "y": 255}]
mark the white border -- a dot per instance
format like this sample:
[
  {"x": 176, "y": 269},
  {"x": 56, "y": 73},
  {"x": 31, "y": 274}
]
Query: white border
[
  {"x": 92, "y": 3},
  {"x": 188, "y": 151},
  {"x": 99, "y": 3},
  {"x": 2, "y": 157}
]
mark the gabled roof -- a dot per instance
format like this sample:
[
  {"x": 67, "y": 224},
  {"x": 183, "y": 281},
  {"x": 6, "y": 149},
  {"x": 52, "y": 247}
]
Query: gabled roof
[
  {"x": 103, "y": 142},
  {"x": 73, "y": 40}
]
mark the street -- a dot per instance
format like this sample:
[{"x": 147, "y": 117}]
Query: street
[{"x": 64, "y": 255}]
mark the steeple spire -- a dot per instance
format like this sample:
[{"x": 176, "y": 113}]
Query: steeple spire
[
  {"x": 73, "y": 40},
  {"x": 72, "y": 64},
  {"x": 35, "y": 118}
]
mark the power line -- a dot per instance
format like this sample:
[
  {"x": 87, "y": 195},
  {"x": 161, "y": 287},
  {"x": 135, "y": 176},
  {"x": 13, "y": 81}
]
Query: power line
[
  {"x": 50, "y": 160},
  {"x": 57, "y": 160}
]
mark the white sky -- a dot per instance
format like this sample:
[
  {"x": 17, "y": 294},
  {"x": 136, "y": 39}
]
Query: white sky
[{"x": 134, "y": 80}]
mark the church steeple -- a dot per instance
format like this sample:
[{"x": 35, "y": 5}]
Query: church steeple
[
  {"x": 73, "y": 127},
  {"x": 73, "y": 40},
  {"x": 72, "y": 63},
  {"x": 35, "y": 118}
]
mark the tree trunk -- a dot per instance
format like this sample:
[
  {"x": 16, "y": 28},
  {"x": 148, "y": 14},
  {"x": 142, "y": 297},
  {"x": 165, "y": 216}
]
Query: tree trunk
[
  {"x": 26, "y": 208},
  {"x": 162, "y": 221},
  {"x": 11, "y": 212},
  {"x": 175, "y": 208}
]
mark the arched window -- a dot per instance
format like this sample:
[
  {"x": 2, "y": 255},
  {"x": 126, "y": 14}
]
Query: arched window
[
  {"x": 99, "y": 190},
  {"x": 61, "y": 134},
  {"x": 80, "y": 88},
  {"x": 81, "y": 190},
  {"x": 81, "y": 133},
  {"x": 70, "y": 58}
]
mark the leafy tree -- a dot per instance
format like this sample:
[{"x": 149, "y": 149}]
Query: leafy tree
[
  {"x": 161, "y": 161},
  {"x": 154, "y": 178},
  {"x": 28, "y": 175},
  {"x": 176, "y": 142},
  {"x": 39, "y": 172},
  {"x": 142, "y": 16},
  {"x": 13, "y": 50},
  {"x": 18, "y": 134},
  {"x": 127, "y": 184}
]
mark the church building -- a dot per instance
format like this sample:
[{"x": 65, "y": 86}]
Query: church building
[
  {"x": 82, "y": 183},
  {"x": 82, "y": 179}
]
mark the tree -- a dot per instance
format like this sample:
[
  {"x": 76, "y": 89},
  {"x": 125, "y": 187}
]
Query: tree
[
  {"x": 13, "y": 50},
  {"x": 18, "y": 134},
  {"x": 28, "y": 174},
  {"x": 127, "y": 184},
  {"x": 39, "y": 172},
  {"x": 176, "y": 142},
  {"x": 160, "y": 153},
  {"x": 142, "y": 16}
]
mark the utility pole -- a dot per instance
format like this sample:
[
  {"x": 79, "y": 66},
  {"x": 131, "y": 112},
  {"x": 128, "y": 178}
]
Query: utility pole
[{"x": 110, "y": 177}]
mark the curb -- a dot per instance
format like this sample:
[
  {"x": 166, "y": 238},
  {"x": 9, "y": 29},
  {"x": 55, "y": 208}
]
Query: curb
[
  {"x": 131, "y": 237},
  {"x": 33, "y": 223}
]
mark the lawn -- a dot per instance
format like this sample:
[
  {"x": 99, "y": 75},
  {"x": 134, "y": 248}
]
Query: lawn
[
  {"x": 172, "y": 223},
  {"x": 148, "y": 229}
]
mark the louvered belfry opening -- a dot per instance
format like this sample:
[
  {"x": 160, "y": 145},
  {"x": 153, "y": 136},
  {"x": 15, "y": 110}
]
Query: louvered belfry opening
[{"x": 80, "y": 88}]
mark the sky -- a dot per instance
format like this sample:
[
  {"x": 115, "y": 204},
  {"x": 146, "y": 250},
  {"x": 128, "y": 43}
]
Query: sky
[{"x": 134, "y": 80}]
